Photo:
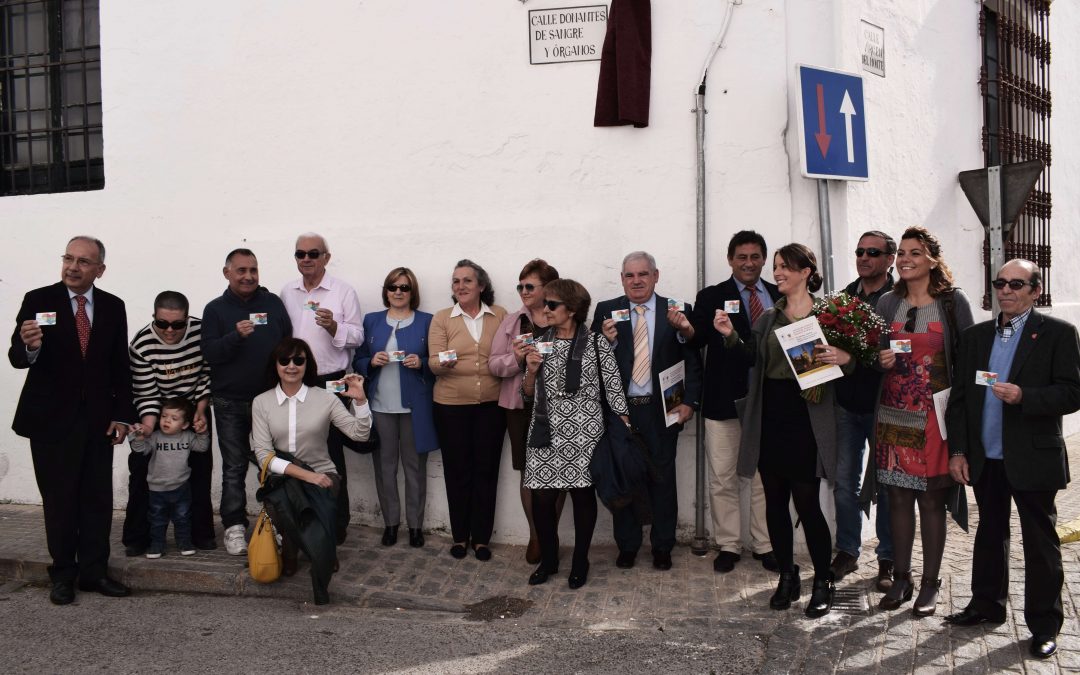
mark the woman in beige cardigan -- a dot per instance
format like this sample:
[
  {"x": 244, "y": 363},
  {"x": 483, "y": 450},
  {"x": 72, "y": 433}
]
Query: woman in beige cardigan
[{"x": 468, "y": 419}]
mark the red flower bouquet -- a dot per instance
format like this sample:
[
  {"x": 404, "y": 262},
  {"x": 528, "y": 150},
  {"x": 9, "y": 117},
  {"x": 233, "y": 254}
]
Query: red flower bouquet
[{"x": 850, "y": 324}]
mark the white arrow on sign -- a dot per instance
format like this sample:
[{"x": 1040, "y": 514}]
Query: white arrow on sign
[{"x": 847, "y": 109}]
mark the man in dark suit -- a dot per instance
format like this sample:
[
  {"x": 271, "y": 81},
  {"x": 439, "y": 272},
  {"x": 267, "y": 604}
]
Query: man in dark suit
[
  {"x": 646, "y": 344},
  {"x": 74, "y": 407},
  {"x": 726, "y": 380},
  {"x": 1006, "y": 441}
]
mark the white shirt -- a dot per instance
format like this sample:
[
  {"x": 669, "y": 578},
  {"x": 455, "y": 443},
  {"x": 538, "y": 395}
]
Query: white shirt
[
  {"x": 474, "y": 324},
  {"x": 332, "y": 354}
]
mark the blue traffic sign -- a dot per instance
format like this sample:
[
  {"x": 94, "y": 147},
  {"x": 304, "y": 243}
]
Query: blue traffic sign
[{"x": 832, "y": 124}]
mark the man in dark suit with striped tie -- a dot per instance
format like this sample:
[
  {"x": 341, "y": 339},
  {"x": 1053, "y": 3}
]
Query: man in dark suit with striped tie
[
  {"x": 646, "y": 344},
  {"x": 74, "y": 407}
]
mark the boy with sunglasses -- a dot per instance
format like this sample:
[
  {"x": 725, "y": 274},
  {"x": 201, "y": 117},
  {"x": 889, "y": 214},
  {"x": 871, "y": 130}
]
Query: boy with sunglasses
[{"x": 170, "y": 493}]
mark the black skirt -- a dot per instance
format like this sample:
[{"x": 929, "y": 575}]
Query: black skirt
[{"x": 788, "y": 447}]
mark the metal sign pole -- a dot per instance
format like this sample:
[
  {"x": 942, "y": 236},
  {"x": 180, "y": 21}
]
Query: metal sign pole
[
  {"x": 995, "y": 227},
  {"x": 826, "y": 233},
  {"x": 700, "y": 544}
]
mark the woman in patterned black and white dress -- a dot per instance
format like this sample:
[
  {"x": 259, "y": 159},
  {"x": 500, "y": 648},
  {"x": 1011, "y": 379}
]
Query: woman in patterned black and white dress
[{"x": 567, "y": 422}]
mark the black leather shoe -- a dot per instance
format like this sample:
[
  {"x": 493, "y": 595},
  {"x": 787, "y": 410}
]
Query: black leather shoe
[
  {"x": 483, "y": 553},
  {"x": 1043, "y": 646},
  {"x": 768, "y": 561},
  {"x": 135, "y": 550},
  {"x": 821, "y": 598},
  {"x": 661, "y": 560},
  {"x": 626, "y": 559},
  {"x": 416, "y": 537},
  {"x": 843, "y": 564},
  {"x": 579, "y": 574},
  {"x": 105, "y": 586},
  {"x": 458, "y": 551},
  {"x": 389, "y": 535},
  {"x": 205, "y": 544},
  {"x": 725, "y": 561},
  {"x": 903, "y": 588},
  {"x": 541, "y": 575},
  {"x": 971, "y": 617},
  {"x": 788, "y": 590},
  {"x": 63, "y": 593}
]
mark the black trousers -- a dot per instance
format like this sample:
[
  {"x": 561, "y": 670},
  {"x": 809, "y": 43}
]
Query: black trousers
[
  {"x": 471, "y": 438},
  {"x": 1043, "y": 573},
  {"x": 74, "y": 476},
  {"x": 663, "y": 497},
  {"x": 136, "y": 530},
  {"x": 335, "y": 445}
]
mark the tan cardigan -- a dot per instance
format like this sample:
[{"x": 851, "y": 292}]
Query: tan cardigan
[{"x": 469, "y": 381}]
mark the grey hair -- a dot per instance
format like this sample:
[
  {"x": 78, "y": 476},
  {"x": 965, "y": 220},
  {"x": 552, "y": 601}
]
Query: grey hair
[
  {"x": 93, "y": 240},
  {"x": 1036, "y": 273},
  {"x": 640, "y": 255},
  {"x": 314, "y": 235}
]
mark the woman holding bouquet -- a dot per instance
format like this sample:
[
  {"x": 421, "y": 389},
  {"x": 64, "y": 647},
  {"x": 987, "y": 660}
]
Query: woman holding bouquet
[
  {"x": 788, "y": 434},
  {"x": 926, "y": 311}
]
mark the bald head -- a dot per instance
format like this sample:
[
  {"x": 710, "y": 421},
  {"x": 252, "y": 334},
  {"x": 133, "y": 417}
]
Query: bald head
[{"x": 1015, "y": 301}]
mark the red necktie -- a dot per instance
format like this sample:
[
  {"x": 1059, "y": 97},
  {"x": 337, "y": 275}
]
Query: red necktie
[
  {"x": 82, "y": 324},
  {"x": 755, "y": 304}
]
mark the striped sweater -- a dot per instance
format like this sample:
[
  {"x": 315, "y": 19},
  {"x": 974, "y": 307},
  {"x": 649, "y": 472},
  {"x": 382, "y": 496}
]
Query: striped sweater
[{"x": 160, "y": 371}]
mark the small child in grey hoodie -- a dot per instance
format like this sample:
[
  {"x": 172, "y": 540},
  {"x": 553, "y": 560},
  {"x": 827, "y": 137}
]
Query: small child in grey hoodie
[{"x": 167, "y": 477}]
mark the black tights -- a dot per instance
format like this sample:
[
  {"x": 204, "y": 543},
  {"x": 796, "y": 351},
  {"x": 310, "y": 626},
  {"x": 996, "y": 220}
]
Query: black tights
[
  {"x": 932, "y": 522},
  {"x": 806, "y": 495},
  {"x": 545, "y": 516}
]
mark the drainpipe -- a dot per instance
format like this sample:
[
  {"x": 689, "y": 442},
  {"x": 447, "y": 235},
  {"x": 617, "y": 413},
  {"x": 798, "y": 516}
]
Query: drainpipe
[{"x": 700, "y": 545}]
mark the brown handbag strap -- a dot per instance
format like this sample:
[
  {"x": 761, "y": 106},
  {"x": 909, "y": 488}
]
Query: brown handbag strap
[{"x": 265, "y": 468}]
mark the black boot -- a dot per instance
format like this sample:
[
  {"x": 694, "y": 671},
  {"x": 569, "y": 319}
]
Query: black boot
[
  {"x": 787, "y": 591},
  {"x": 821, "y": 597}
]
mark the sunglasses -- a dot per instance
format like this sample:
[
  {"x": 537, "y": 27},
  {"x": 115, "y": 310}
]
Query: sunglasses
[
  {"x": 872, "y": 252},
  {"x": 909, "y": 327},
  {"x": 297, "y": 360},
  {"x": 526, "y": 287},
  {"x": 553, "y": 304},
  {"x": 314, "y": 254},
  {"x": 162, "y": 324},
  {"x": 394, "y": 288},
  {"x": 1015, "y": 284}
]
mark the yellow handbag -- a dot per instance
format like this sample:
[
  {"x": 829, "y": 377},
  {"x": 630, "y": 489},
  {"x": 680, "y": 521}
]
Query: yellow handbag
[{"x": 264, "y": 558}]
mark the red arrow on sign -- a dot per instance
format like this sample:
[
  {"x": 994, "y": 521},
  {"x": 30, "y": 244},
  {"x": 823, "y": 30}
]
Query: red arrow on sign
[{"x": 821, "y": 137}]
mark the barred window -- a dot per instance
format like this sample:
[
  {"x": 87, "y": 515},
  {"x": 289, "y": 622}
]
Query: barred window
[
  {"x": 50, "y": 97},
  {"x": 1015, "y": 83}
]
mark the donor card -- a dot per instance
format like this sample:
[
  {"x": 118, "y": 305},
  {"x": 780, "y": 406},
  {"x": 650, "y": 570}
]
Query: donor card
[
  {"x": 396, "y": 356},
  {"x": 985, "y": 378},
  {"x": 527, "y": 338},
  {"x": 900, "y": 346},
  {"x": 672, "y": 303},
  {"x": 45, "y": 318},
  {"x": 620, "y": 315},
  {"x": 545, "y": 347},
  {"x": 311, "y": 304},
  {"x": 731, "y": 306},
  {"x": 336, "y": 386},
  {"x": 448, "y": 356},
  {"x": 258, "y": 318}
]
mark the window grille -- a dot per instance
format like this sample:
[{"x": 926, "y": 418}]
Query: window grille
[{"x": 50, "y": 97}]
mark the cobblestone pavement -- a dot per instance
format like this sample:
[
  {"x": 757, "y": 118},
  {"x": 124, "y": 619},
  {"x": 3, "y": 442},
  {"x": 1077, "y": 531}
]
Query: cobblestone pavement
[{"x": 856, "y": 635}]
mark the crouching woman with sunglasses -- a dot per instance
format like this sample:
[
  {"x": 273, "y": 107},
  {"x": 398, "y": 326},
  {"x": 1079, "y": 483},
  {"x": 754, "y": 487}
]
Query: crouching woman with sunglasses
[{"x": 289, "y": 423}]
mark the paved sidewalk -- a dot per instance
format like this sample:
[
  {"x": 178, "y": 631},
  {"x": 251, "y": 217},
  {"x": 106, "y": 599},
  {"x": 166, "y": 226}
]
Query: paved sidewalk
[{"x": 690, "y": 595}]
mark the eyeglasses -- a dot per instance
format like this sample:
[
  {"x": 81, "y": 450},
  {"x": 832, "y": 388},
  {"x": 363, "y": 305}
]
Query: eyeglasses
[
  {"x": 166, "y": 325},
  {"x": 314, "y": 254},
  {"x": 872, "y": 252},
  {"x": 553, "y": 304},
  {"x": 297, "y": 360},
  {"x": 1015, "y": 284},
  {"x": 909, "y": 327},
  {"x": 527, "y": 287},
  {"x": 394, "y": 288},
  {"x": 83, "y": 263}
]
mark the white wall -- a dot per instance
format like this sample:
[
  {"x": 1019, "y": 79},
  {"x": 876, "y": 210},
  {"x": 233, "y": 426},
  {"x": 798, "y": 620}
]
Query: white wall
[{"x": 418, "y": 134}]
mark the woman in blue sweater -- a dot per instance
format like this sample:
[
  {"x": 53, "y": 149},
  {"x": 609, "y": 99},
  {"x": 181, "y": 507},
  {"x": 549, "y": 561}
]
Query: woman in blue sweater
[{"x": 393, "y": 359}]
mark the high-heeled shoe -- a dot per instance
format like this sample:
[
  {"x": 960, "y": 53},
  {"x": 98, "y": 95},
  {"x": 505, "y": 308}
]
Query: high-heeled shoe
[
  {"x": 821, "y": 597},
  {"x": 926, "y": 604},
  {"x": 787, "y": 590},
  {"x": 541, "y": 575},
  {"x": 389, "y": 535},
  {"x": 902, "y": 589},
  {"x": 579, "y": 574}
]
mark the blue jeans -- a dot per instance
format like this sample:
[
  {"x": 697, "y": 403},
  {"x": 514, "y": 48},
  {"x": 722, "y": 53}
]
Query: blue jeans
[
  {"x": 177, "y": 505},
  {"x": 234, "y": 430},
  {"x": 853, "y": 433}
]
